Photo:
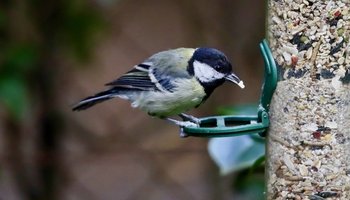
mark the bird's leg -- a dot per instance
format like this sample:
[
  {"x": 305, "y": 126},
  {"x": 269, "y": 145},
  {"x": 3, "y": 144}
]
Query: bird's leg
[{"x": 190, "y": 118}]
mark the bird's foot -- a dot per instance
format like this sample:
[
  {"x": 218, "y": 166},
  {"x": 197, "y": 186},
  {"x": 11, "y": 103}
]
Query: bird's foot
[
  {"x": 183, "y": 123},
  {"x": 182, "y": 133},
  {"x": 190, "y": 118}
]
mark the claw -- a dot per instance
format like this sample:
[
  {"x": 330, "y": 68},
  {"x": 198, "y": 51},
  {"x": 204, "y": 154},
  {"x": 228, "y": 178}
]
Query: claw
[
  {"x": 183, "y": 124},
  {"x": 190, "y": 118},
  {"x": 182, "y": 133},
  {"x": 188, "y": 124}
]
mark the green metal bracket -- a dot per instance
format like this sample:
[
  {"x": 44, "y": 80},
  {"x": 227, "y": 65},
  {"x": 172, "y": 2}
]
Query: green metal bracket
[{"x": 236, "y": 125}]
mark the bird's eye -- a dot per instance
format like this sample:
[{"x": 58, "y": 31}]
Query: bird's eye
[{"x": 219, "y": 68}]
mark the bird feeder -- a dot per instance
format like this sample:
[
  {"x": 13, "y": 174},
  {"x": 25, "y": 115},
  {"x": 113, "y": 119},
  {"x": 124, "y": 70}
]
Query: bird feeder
[{"x": 236, "y": 125}]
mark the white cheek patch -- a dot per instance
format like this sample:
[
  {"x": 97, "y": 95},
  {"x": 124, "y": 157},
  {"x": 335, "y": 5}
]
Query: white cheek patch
[{"x": 205, "y": 73}]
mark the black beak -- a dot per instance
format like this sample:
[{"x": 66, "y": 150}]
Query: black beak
[{"x": 234, "y": 79}]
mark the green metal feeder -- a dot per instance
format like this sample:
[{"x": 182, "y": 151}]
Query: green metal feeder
[{"x": 236, "y": 125}]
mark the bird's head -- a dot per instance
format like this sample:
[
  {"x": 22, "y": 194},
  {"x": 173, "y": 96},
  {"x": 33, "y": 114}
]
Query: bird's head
[{"x": 212, "y": 68}]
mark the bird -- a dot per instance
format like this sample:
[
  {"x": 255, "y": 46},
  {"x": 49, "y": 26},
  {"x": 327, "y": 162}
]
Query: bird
[{"x": 169, "y": 83}]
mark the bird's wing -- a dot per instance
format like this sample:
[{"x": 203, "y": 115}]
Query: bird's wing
[
  {"x": 159, "y": 72},
  {"x": 136, "y": 79}
]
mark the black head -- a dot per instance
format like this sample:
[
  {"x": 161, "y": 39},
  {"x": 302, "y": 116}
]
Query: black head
[
  {"x": 212, "y": 57},
  {"x": 211, "y": 67}
]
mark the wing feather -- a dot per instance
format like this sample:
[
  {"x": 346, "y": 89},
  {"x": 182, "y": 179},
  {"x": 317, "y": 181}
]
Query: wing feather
[
  {"x": 157, "y": 73},
  {"x": 135, "y": 79}
]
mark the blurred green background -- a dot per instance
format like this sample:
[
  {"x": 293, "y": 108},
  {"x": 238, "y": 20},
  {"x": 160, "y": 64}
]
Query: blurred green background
[{"x": 53, "y": 53}]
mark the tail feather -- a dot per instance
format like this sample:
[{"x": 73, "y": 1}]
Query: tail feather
[{"x": 92, "y": 100}]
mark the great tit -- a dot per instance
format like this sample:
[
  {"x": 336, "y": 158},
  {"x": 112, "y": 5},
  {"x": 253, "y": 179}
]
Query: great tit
[{"x": 169, "y": 83}]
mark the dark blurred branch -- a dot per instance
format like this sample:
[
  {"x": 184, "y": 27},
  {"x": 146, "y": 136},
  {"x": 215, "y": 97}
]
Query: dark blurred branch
[{"x": 12, "y": 136}]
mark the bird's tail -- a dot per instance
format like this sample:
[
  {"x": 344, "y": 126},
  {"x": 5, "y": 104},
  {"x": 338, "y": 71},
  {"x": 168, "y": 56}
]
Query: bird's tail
[{"x": 95, "y": 99}]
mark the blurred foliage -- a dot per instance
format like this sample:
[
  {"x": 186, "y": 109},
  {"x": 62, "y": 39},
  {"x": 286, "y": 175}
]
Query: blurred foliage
[
  {"x": 17, "y": 61},
  {"x": 250, "y": 185},
  {"x": 14, "y": 96},
  {"x": 79, "y": 26},
  {"x": 245, "y": 109},
  {"x": 233, "y": 154},
  {"x": 243, "y": 155},
  {"x": 66, "y": 28},
  {"x": 36, "y": 38}
]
